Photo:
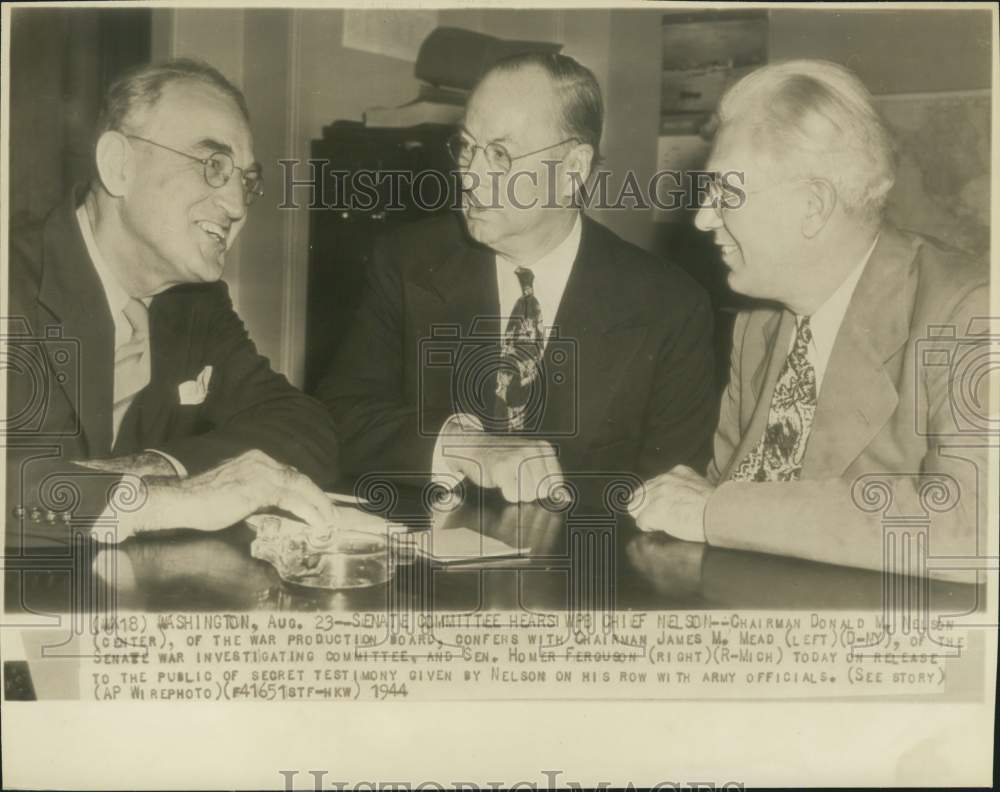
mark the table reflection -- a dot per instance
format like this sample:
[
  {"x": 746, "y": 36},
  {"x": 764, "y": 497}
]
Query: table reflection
[{"x": 577, "y": 556}]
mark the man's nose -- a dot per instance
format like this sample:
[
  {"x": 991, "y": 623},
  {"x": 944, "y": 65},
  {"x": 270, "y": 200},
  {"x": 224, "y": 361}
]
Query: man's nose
[
  {"x": 479, "y": 182},
  {"x": 230, "y": 196},
  {"x": 707, "y": 218}
]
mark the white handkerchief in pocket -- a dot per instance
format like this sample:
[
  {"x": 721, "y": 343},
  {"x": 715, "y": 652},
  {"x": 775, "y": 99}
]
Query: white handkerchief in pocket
[{"x": 195, "y": 391}]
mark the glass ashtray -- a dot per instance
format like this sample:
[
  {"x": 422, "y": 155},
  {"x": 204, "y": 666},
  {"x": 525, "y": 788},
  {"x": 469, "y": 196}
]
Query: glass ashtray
[{"x": 328, "y": 559}]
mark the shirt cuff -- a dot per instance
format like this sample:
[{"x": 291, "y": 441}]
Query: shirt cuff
[
  {"x": 443, "y": 473},
  {"x": 175, "y": 463}
]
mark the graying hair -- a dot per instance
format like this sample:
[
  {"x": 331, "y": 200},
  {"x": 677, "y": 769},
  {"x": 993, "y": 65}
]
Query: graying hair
[
  {"x": 823, "y": 113},
  {"x": 580, "y": 106},
  {"x": 140, "y": 89}
]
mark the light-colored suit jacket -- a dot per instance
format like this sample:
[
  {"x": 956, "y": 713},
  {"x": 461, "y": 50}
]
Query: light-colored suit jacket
[{"x": 898, "y": 449}]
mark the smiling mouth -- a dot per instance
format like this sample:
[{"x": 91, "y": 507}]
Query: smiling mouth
[
  {"x": 728, "y": 250},
  {"x": 216, "y": 232}
]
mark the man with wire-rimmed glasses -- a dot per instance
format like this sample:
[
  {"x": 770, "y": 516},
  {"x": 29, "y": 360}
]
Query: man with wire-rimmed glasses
[
  {"x": 152, "y": 403},
  {"x": 525, "y": 342}
]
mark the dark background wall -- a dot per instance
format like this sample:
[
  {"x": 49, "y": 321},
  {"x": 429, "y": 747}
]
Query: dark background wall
[{"x": 61, "y": 60}]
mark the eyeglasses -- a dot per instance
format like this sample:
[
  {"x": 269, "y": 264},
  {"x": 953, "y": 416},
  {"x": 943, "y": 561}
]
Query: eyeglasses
[
  {"x": 219, "y": 168},
  {"x": 463, "y": 151}
]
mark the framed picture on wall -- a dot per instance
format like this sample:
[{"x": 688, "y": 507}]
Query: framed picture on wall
[{"x": 704, "y": 53}]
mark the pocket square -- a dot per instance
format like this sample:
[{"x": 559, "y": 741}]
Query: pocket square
[{"x": 194, "y": 391}]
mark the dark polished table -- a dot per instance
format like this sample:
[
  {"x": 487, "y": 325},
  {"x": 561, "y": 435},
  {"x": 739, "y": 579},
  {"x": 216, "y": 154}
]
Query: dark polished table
[{"x": 585, "y": 554}]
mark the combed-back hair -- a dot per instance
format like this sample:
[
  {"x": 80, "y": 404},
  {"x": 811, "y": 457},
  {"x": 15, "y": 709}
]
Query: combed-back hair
[
  {"x": 138, "y": 90},
  {"x": 581, "y": 108},
  {"x": 818, "y": 118}
]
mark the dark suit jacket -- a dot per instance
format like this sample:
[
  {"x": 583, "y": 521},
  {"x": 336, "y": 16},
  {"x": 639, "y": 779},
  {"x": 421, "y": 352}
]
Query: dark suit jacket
[
  {"x": 902, "y": 406},
  {"x": 628, "y": 382},
  {"x": 60, "y": 386}
]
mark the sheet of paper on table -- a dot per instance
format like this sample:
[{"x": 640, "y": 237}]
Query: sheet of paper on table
[
  {"x": 460, "y": 545},
  {"x": 443, "y": 543}
]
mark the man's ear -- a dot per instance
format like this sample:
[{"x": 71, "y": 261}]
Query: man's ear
[
  {"x": 577, "y": 168},
  {"x": 821, "y": 200},
  {"x": 115, "y": 163}
]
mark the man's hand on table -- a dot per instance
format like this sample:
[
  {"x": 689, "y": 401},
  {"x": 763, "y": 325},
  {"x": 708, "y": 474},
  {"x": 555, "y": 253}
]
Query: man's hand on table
[
  {"x": 226, "y": 494},
  {"x": 523, "y": 469},
  {"x": 673, "y": 502}
]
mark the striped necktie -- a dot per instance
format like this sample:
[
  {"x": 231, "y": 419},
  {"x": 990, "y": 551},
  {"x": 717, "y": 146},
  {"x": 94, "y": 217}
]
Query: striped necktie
[
  {"x": 520, "y": 356},
  {"x": 777, "y": 456}
]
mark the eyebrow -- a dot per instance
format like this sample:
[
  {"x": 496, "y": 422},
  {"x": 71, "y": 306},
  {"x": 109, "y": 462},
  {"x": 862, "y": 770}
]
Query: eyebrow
[
  {"x": 213, "y": 145},
  {"x": 501, "y": 139}
]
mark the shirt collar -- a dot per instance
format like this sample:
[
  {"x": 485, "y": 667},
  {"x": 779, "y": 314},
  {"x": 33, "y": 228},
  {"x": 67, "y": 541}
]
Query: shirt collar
[
  {"x": 826, "y": 320},
  {"x": 117, "y": 296},
  {"x": 564, "y": 253}
]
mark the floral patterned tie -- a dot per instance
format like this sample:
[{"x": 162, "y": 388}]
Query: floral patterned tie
[
  {"x": 777, "y": 456},
  {"x": 520, "y": 354}
]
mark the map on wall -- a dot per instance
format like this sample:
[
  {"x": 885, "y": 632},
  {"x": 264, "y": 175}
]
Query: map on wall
[{"x": 943, "y": 180}]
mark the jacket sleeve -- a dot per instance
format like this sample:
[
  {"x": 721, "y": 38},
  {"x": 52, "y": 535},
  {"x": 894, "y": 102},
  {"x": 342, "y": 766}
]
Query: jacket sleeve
[
  {"x": 840, "y": 521},
  {"x": 48, "y": 499},
  {"x": 250, "y": 406},
  {"x": 682, "y": 413},
  {"x": 380, "y": 429}
]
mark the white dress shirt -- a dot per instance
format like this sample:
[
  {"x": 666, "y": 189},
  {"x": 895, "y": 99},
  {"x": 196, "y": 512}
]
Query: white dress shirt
[
  {"x": 552, "y": 273},
  {"x": 551, "y": 276},
  {"x": 826, "y": 320},
  {"x": 117, "y": 299}
]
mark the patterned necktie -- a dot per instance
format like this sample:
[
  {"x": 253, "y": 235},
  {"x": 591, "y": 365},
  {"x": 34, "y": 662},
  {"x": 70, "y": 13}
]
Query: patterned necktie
[
  {"x": 132, "y": 367},
  {"x": 520, "y": 354},
  {"x": 777, "y": 456}
]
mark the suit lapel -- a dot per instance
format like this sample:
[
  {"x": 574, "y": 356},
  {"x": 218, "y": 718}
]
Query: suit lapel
[
  {"x": 776, "y": 334},
  {"x": 454, "y": 300},
  {"x": 599, "y": 330},
  {"x": 599, "y": 327},
  {"x": 857, "y": 396},
  {"x": 150, "y": 417},
  {"x": 465, "y": 280},
  {"x": 72, "y": 293}
]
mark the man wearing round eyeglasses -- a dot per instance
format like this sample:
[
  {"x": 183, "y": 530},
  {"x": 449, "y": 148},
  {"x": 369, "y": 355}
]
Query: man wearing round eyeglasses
[
  {"x": 525, "y": 342},
  {"x": 857, "y": 396},
  {"x": 159, "y": 411}
]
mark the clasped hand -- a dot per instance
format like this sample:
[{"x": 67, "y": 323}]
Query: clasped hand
[
  {"x": 674, "y": 503},
  {"x": 523, "y": 469}
]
